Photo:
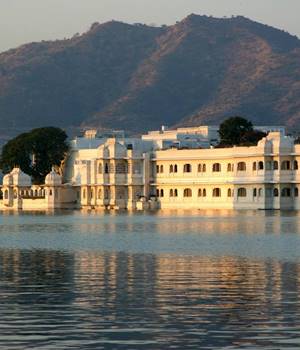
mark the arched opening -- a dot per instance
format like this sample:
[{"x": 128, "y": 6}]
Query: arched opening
[
  {"x": 229, "y": 194},
  {"x": 171, "y": 170},
  {"x": 171, "y": 193},
  {"x": 242, "y": 192},
  {"x": 161, "y": 169},
  {"x": 199, "y": 192},
  {"x": 216, "y": 167},
  {"x": 204, "y": 192},
  {"x": 187, "y": 192},
  {"x": 275, "y": 192},
  {"x": 106, "y": 168},
  {"x": 260, "y": 165},
  {"x": 254, "y": 192},
  {"x": 175, "y": 168},
  {"x": 241, "y": 166},
  {"x": 187, "y": 168},
  {"x": 175, "y": 193},
  {"x": 286, "y": 165},
  {"x": 217, "y": 192},
  {"x": 254, "y": 166},
  {"x": 260, "y": 192},
  {"x": 199, "y": 168},
  {"x": 286, "y": 192},
  {"x": 296, "y": 192},
  {"x": 275, "y": 165},
  {"x": 295, "y": 165},
  {"x": 229, "y": 168},
  {"x": 161, "y": 192}
]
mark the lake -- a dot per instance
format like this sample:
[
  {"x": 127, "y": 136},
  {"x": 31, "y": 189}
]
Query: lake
[{"x": 161, "y": 280}]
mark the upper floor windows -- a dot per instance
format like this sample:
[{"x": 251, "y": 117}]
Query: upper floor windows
[
  {"x": 230, "y": 167},
  {"x": 216, "y": 192},
  {"x": 187, "y": 192},
  {"x": 173, "y": 168},
  {"x": 159, "y": 169},
  {"x": 295, "y": 165},
  {"x": 242, "y": 192},
  {"x": 275, "y": 165},
  {"x": 201, "y": 168},
  {"x": 286, "y": 165},
  {"x": 241, "y": 166},
  {"x": 216, "y": 167},
  {"x": 260, "y": 165},
  {"x": 187, "y": 168}
]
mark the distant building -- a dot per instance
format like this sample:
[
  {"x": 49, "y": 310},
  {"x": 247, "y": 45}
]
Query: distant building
[{"x": 165, "y": 169}]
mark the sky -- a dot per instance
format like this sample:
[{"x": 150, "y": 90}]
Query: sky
[{"x": 23, "y": 21}]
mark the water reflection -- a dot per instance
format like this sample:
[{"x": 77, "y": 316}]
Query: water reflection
[{"x": 93, "y": 300}]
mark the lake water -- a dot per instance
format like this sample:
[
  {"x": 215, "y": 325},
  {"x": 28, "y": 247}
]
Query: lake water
[{"x": 166, "y": 280}]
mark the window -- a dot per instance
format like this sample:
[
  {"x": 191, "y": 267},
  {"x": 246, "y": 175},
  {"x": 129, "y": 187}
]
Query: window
[
  {"x": 295, "y": 165},
  {"x": 296, "y": 192},
  {"x": 187, "y": 192},
  {"x": 203, "y": 168},
  {"x": 241, "y": 166},
  {"x": 187, "y": 168},
  {"x": 50, "y": 193},
  {"x": 260, "y": 192},
  {"x": 92, "y": 193},
  {"x": 254, "y": 192},
  {"x": 100, "y": 168},
  {"x": 161, "y": 169},
  {"x": 175, "y": 168},
  {"x": 242, "y": 192},
  {"x": 199, "y": 168},
  {"x": 171, "y": 169},
  {"x": 161, "y": 192},
  {"x": 175, "y": 193},
  {"x": 106, "y": 169},
  {"x": 260, "y": 165},
  {"x": 157, "y": 193},
  {"x": 216, "y": 167},
  {"x": 204, "y": 192},
  {"x": 199, "y": 192},
  {"x": 275, "y": 165},
  {"x": 275, "y": 192},
  {"x": 157, "y": 169},
  {"x": 254, "y": 166},
  {"x": 216, "y": 192},
  {"x": 229, "y": 167},
  {"x": 171, "y": 193},
  {"x": 286, "y": 192},
  {"x": 286, "y": 165},
  {"x": 229, "y": 192}
]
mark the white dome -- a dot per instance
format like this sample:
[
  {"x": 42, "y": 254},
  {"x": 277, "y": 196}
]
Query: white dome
[
  {"x": 53, "y": 179},
  {"x": 7, "y": 180},
  {"x": 19, "y": 178}
]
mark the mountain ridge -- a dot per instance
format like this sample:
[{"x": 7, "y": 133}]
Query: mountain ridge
[{"x": 138, "y": 77}]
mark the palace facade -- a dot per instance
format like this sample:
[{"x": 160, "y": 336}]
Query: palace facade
[{"x": 144, "y": 173}]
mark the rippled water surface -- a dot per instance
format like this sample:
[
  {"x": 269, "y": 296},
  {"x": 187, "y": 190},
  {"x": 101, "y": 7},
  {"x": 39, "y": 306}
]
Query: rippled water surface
[{"x": 169, "y": 280}]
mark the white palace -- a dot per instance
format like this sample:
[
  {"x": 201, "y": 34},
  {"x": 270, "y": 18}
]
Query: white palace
[{"x": 165, "y": 169}]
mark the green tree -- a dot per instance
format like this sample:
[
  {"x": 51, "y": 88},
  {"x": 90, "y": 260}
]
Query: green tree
[
  {"x": 233, "y": 129},
  {"x": 35, "y": 152}
]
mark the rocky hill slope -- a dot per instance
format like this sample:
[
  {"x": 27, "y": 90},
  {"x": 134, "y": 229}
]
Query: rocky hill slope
[{"x": 137, "y": 77}]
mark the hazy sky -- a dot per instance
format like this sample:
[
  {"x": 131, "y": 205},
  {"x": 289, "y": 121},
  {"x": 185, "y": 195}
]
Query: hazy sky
[{"x": 24, "y": 21}]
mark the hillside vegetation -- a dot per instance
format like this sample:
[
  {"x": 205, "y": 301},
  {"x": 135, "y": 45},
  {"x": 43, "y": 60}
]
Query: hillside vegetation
[{"x": 137, "y": 77}]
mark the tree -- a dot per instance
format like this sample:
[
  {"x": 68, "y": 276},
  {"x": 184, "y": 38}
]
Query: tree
[
  {"x": 232, "y": 130},
  {"x": 35, "y": 152}
]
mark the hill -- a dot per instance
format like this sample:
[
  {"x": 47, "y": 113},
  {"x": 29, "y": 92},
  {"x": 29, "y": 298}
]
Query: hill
[{"x": 137, "y": 77}]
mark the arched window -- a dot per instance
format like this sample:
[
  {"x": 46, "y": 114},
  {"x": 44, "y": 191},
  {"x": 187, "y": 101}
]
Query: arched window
[
  {"x": 106, "y": 169},
  {"x": 161, "y": 192},
  {"x": 99, "y": 194},
  {"x": 268, "y": 165},
  {"x": 175, "y": 193},
  {"x": 286, "y": 165},
  {"x": 204, "y": 192},
  {"x": 199, "y": 168},
  {"x": 161, "y": 170},
  {"x": 157, "y": 193},
  {"x": 295, "y": 165},
  {"x": 275, "y": 165},
  {"x": 216, "y": 192},
  {"x": 171, "y": 193},
  {"x": 275, "y": 192},
  {"x": 199, "y": 192},
  {"x": 175, "y": 168},
  {"x": 254, "y": 192},
  {"x": 241, "y": 166},
  {"x": 50, "y": 193},
  {"x": 229, "y": 194},
  {"x": 203, "y": 168},
  {"x": 157, "y": 169},
  {"x": 296, "y": 192},
  {"x": 260, "y": 192},
  {"x": 260, "y": 165},
  {"x": 242, "y": 192},
  {"x": 286, "y": 192},
  {"x": 100, "y": 168},
  {"x": 254, "y": 166},
  {"x": 171, "y": 169},
  {"x": 229, "y": 167},
  {"x": 216, "y": 167},
  {"x": 187, "y": 192},
  {"x": 187, "y": 168}
]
